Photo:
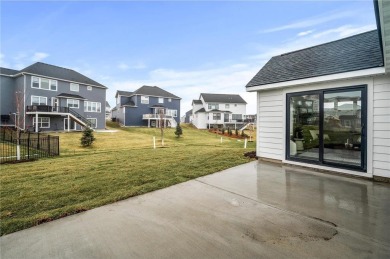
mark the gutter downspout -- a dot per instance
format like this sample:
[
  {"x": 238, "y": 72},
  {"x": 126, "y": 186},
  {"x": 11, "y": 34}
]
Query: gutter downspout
[{"x": 379, "y": 27}]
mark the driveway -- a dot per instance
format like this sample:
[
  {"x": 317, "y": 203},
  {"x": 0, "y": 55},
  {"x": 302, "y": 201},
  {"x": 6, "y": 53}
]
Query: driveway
[{"x": 256, "y": 210}]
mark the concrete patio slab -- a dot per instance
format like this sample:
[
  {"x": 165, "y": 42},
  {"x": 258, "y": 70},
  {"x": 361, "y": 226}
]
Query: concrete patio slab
[{"x": 254, "y": 210}]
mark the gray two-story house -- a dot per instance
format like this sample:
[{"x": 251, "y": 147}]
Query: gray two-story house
[
  {"x": 147, "y": 106},
  {"x": 43, "y": 97}
]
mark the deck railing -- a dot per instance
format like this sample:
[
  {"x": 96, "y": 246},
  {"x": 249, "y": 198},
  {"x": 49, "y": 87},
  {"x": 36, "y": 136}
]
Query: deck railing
[{"x": 156, "y": 116}]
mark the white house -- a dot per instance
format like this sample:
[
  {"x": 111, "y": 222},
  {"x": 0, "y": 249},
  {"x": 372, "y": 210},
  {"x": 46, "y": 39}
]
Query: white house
[
  {"x": 328, "y": 106},
  {"x": 218, "y": 110}
]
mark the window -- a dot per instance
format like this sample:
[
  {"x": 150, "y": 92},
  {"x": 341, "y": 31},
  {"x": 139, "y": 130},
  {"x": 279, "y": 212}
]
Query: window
[
  {"x": 326, "y": 127},
  {"x": 145, "y": 99},
  {"x": 93, "y": 122},
  {"x": 44, "y": 83},
  {"x": 74, "y": 87},
  {"x": 169, "y": 99},
  {"x": 160, "y": 100},
  {"x": 213, "y": 106},
  {"x": 227, "y": 106},
  {"x": 92, "y": 106},
  {"x": 172, "y": 113},
  {"x": 38, "y": 100},
  {"x": 72, "y": 103},
  {"x": 236, "y": 116},
  {"x": 43, "y": 122},
  {"x": 216, "y": 116},
  {"x": 235, "y": 105},
  {"x": 89, "y": 88}
]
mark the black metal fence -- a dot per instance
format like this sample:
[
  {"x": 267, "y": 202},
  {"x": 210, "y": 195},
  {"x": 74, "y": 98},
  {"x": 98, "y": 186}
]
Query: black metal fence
[{"x": 28, "y": 146}]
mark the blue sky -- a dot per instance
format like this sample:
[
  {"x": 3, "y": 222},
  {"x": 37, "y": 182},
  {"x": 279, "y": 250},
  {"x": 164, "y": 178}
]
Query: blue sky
[{"x": 185, "y": 47}]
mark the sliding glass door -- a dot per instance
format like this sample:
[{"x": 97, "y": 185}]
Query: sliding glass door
[{"x": 328, "y": 127}]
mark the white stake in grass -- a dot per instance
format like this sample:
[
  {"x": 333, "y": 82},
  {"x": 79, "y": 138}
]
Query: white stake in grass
[
  {"x": 154, "y": 142},
  {"x": 246, "y": 141},
  {"x": 221, "y": 139}
]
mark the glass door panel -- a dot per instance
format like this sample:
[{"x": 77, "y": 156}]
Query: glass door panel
[
  {"x": 342, "y": 127},
  {"x": 304, "y": 126}
]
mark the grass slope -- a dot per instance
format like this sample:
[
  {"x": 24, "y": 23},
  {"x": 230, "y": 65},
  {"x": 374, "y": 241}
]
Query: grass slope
[{"x": 119, "y": 165}]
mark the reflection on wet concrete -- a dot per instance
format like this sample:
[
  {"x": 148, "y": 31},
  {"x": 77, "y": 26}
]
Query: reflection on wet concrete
[{"x": 359, "y": 205}]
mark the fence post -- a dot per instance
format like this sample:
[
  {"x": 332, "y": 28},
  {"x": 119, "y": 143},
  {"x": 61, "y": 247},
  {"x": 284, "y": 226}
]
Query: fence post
[
  {"x": 58, "y": 145},
  {"x": 48, "y": 144},
  {"x": 28, "y": 146},
  {"x": 38, "y": 146}
]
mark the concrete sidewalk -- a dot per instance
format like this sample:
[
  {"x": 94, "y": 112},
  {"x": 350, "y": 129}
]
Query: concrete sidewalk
[{"x": 255, "y": 210}]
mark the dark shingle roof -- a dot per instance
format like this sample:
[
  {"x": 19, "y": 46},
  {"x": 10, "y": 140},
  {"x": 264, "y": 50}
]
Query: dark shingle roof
[
  {"x": 124, "y": 93},
  {"x": 8, "y": 71},
  {"x": 222, "y": 98},
  {"x": 74, "y": 96},
  {"x": 155, "y": 91},
  {"x": 43, "y": 69},
  {"x": 189, "y": 112},
  {"x": 216, "y": 110},
  {"x": 108, "y": 105},
  {"x": 353, "y": 53},
  {"x": 197, "y": 101},
  {"x": 201, "y": 110},
  {"x": 129, "y": 103}
]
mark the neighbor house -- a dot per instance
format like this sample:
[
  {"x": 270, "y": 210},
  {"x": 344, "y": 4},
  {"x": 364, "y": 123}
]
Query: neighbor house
[
  {"x": 50, "y": 98},
  {"x": 108, "y": 110},
  {"x": 218, "y": 110},
  {"x": 188, "y": 117},
  {"x": 328, "y": 106},
  {"x": 147, "y": 106}
]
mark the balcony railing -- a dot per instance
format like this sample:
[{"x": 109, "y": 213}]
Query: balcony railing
[
  {"x": 156, "y": 116},
  {"x": 47, "y": 108}
]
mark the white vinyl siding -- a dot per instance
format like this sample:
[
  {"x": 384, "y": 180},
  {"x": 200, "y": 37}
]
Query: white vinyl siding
[
  {"x": 44, "y": 83},
  {"x": 270, "y": 124},
  {"x": 38, "y": 100},
  {"x": 74, "y": 87},
  {"x": 381, "y": 127},
  {"x": 92, "y": 106},
  {"x": 72, "y": 103}
]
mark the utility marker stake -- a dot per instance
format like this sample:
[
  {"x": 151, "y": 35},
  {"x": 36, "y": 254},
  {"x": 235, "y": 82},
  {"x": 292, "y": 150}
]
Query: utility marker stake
[
  {"x": 221, "y": 139},
  {"x": 246, "y": 141},
  {"x": 154, "y": 142}
]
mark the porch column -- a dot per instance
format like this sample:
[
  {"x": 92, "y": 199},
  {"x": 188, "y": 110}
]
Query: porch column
[
  {"x": 68, "y": 123},
  {"x": 36, "y": 122},
  {"x": 148, "y": 123}
]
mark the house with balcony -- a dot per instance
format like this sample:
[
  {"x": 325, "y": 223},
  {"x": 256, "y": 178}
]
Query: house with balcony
[
  {"x": 148, "y": 106},
  {"x": 218, "y": 110},
  {"x": 44, "y": 97}
]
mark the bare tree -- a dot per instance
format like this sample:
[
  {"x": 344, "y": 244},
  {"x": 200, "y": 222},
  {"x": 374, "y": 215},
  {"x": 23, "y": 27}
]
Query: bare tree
[{"x": 19, "y": 120}]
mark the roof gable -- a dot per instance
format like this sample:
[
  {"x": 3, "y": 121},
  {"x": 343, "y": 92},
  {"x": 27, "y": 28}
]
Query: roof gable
[
  {"x": 361, "y": 51},
  {"x": 154, "y": 91},
  {"x": 43, "y": 69},
  {"x": 222, "y": 98},
  {"x": 123, "y": 93},
  {"x": 8, "y": 71}
]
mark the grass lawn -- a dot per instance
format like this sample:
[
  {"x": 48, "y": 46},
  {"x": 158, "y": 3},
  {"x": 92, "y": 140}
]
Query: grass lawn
[{"x": 119, "y": 165}]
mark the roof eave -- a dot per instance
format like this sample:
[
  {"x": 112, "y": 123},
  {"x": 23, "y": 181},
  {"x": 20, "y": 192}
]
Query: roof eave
[{"x": 319, "y": 79}]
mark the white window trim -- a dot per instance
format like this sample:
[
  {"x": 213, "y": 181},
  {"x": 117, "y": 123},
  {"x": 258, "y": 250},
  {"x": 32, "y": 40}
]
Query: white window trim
[
  {"x": 169, "y": 99},
  {"x": 160, "y": 99},
  {"x": 89, "y": 88},
  {"x": 73, "y": 100},
  {"x": 74, "y": 85},
  {"x": 39, "y": 82},
  {"x": 40, "y": 123},
  {"x": 146, "y": 99},
  {"x": 95, "y": 121},
  {"x": 98, "y": 106},
  {"x": 32, "y": 96},
  {"x": 170, "y": 111}
]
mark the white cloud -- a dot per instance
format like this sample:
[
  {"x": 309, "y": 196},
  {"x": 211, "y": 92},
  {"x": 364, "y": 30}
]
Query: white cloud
[
  {"x": 38, "y": 56},
  {"x": 304, "y": 33},
  {"x": 124, "y": 66},
  {"x": 189, "y": 84},
  {"x": 313, "y": 21}
]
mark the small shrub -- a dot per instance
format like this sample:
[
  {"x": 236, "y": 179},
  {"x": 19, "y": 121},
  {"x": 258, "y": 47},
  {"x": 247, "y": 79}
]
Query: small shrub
[
  {"x": 242, "y": 133},
  {"x": 230, "y": 131},
  {"x": 237, "y": 132},
  {"x": 87, "y": 138},
  {"x": 178, "y": 131},
  {"x": 223, "y": 131}
]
